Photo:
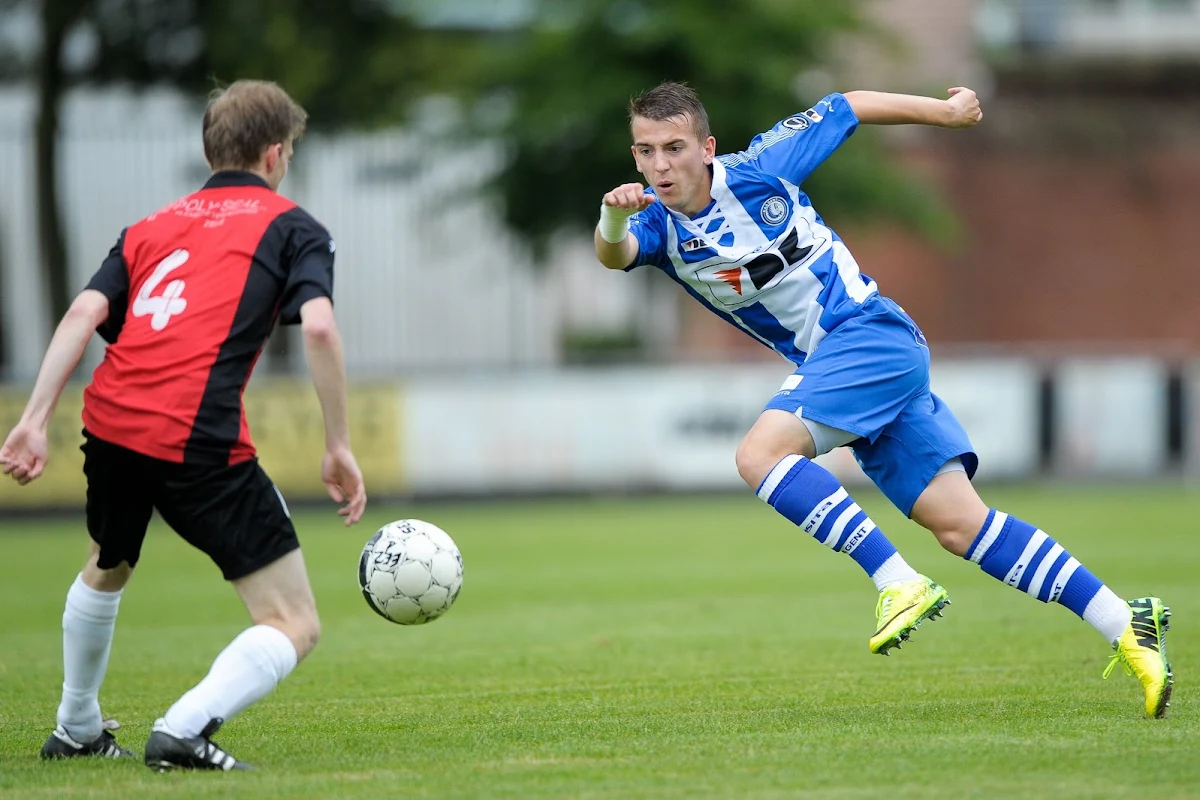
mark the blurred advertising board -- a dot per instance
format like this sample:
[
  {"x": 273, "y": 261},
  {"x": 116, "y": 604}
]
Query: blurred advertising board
[
  {"x": 1110, "y": 416},
  {"x": 645, "y": 429},
  {"x": 287, "y": 428},
  {"x": 1191, "y": 420},
  {"x": 672, "y": 428},
  {"x": 285, "y": 423}
]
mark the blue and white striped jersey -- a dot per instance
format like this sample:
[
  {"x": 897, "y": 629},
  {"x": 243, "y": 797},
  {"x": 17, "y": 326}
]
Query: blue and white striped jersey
[{"x": 760, "y": 256}]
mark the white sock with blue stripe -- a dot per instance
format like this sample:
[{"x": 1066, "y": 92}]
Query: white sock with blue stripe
[
  {"x": 812, "y": 498},
  {"x": 1016, "y": 553}
]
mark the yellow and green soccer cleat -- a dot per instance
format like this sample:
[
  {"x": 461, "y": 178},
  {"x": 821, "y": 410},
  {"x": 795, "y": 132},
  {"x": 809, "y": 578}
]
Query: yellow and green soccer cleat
[
  {"x": 1142, "y": 650},
  {"x": 902, "y": 608}
]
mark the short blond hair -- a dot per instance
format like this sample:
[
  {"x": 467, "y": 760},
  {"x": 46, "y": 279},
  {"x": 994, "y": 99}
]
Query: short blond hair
[{"x": 245, "y": 118}]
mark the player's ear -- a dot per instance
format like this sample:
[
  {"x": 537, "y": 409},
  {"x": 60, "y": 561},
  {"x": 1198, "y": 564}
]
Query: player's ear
[
  {"x": 633, "y": 152},
  {"x": 710, "y": 149}
]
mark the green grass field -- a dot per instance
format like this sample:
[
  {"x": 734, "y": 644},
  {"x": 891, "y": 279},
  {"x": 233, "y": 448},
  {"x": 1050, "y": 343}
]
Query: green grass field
[{"x": 661, "y": 648}]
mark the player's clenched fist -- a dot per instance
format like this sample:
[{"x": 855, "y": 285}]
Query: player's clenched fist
[
  {"x": 24, "y": 453},
  {"x": 618, "y": 206},
  {"x": 965, "y": 110},
  {"x": 629, "y": 197}
]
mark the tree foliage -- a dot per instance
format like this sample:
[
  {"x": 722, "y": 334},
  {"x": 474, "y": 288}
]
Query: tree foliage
[
  {"x": 561, "y": 81},
  {"x": 567, "y": 77},
  {"x": 349, "y": 62}
]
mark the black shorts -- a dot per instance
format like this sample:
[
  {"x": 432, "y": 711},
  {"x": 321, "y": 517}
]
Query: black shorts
[{"x": 233, "y": 514}]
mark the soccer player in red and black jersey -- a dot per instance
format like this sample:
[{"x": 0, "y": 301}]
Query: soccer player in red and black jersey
[{"x": 186, "y": 301}]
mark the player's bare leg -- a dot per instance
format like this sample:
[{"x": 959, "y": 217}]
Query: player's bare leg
[
  {"x": 280, "y": 595},
  {"x": 774, "y": 459},
  {"x": 1022, "y": 556},
  {"x": 89, "y": 619},
  {"x": 286, "y": 629}
]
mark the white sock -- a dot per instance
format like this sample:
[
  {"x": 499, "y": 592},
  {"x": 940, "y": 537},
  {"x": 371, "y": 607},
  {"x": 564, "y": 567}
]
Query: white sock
[
  {"x": 88, "y": 622},
  {"x": 245, "y": 672},
  {"x": 894, "y": 570},
  {"x": 1108, "y": 614}
]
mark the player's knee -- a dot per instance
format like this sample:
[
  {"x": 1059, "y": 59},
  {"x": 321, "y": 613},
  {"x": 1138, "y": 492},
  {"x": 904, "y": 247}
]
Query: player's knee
[
  {"x": 753, "y": 462},
  {"x": 954, "y": 529},
  {"x": 107, "y": 580},
  {"x": 954, "y": 538},
  {"x": 951, "y": 510},
  {"x": 742, "y": 458}
]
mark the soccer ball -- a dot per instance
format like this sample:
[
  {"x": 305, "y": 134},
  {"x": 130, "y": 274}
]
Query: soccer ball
[{"x": 410, "y": 572}]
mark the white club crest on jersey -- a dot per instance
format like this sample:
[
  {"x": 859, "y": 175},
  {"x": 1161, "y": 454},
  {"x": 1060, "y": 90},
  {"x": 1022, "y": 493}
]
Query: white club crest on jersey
[
  {"x": 162, "y": 307},
  {"x": 774, "y": 211}
]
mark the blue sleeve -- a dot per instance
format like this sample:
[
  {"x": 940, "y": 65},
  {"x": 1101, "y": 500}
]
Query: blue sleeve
[
  {"x": 650, "y": 227},
  {"x": 799, "y": 144}
]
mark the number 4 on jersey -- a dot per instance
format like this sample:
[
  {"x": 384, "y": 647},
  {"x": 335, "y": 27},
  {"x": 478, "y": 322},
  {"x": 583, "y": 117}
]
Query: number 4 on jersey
[{"x": 166, "y": 305}]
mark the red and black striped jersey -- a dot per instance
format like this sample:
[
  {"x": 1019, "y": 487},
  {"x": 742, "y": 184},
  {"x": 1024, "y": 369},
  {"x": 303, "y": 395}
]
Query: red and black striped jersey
[{"x": 194, "y": 291}]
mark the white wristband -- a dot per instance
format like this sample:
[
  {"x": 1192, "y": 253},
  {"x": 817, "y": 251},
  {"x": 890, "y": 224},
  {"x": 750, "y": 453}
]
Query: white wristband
[{"x": 614, "y": 223}]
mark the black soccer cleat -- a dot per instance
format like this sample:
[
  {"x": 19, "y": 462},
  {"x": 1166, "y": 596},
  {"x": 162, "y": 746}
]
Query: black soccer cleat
[
  {"x": 167, "y": 750},
  {"x": 61, "y": 745}
]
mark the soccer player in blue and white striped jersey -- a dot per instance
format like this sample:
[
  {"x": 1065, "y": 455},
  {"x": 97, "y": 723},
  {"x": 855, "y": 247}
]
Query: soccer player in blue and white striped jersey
[{"x": 740, "y": 236}]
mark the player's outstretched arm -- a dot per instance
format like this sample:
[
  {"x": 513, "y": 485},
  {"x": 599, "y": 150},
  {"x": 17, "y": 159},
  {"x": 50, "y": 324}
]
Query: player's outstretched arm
[
  {"x": 323, "y": 348},
  {"x": 24, "y": 453},
  {"x": 960, "y": 110},
  {"x": 616, "y": 247}
]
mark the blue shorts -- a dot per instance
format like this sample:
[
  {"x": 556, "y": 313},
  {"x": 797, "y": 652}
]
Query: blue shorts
[{"x": 870, "y": 378}]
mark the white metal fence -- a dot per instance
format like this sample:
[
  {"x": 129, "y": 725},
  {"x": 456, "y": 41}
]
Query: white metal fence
[{"x": 427, "y": 276}]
